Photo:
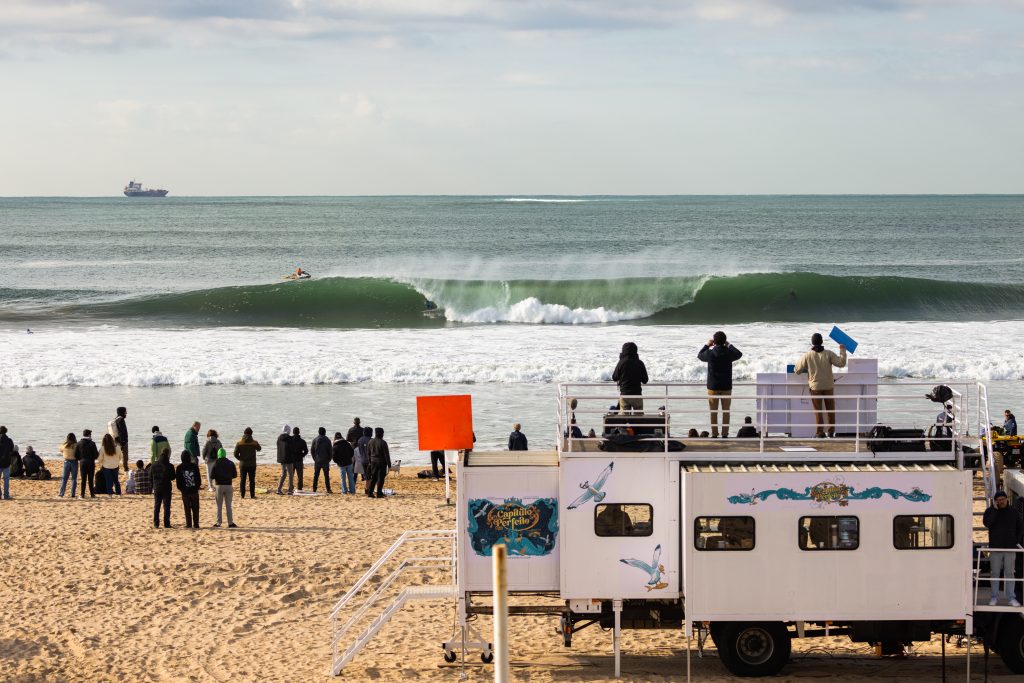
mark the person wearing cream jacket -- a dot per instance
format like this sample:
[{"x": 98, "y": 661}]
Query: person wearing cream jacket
[{"x": 817, "y": 364}]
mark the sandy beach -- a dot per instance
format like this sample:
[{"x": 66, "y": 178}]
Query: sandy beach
[{"x": 93, "y": 593}]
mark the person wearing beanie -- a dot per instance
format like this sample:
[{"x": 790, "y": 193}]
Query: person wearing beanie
[
  {"x": 299, "y": 451},
  {"x": 245, "y": 454},
  {"x": 630, "y": 374},
  {"x": 189, "y": 482},
  {"x": 162, "y": 472},
  {"x": 380, "y": 461},
  {"x": 817, "y": 364},
  {"x": 87, "y": 454},
  {"x": 285, "y": 455},
  {"x": 224, "y": 473},
  {"x": 322, "y": 452},
  {"x": 362, "y": 461},
  {"x": 1005, "y": 530},
  {"x": 209, "y": 455}
]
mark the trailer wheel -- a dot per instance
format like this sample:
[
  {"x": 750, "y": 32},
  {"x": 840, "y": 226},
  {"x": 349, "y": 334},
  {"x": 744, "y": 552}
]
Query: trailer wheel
[
  {"x": 449, "y": 656},
  {"x": 487, "y": 658},
  {"x": 1010, "y": 643},
  {"x": 753, "y": 649}
]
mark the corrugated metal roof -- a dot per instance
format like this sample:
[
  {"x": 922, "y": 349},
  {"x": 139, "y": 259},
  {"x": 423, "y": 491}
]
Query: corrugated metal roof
[{"x": 797, "y": 468}]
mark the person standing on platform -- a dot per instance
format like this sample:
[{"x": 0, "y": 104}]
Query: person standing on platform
[
  {"x": 118, "y": 429},
  {"x": 192, "y": 441},
  {"x": 86, "y": 453},
  {"x": 285, "y": 455},
  {"x": 224, "y": 473},
  {"x": 189, "y": 481},
  {"x": 245, "y": 453},
  {"x": 1005, "y": 530},
  {"x": 342, "y": 454},
  {"x": 719, "y": 354},
  {"x": 322, "y": 451},
  {"x": 299, "y": 451},
  {"x": 380, "y": 461},
  {"x": 630, "y": 374},
  {"x": 517, "y": 440},
  {"x": 817, "y": 364},
  {"x": 162, "y": 472}
]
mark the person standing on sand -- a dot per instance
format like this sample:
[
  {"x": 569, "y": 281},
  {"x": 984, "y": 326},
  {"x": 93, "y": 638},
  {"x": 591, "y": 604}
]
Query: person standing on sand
[
  {"x": 210, "y": 449},
  {"x": 118, "y": 430},
  {"x": 245, "y": 454},
  {"x": 109, "y": 462},
  {"x": 224, "y": 473},
  {"x": 517, "y": 440},
  {"x": 162, "y": 472},
  {"x": 86, "y": 453},
  {"x": 299, "y": 451},
  {"x": 354, "y": 432},
  {"x": 719, "y": 354},
  {"x": 322, "y": 452},
  {"x": 284, "y": 458},
  {"x": 342, "y": 455},
  {"x": 817, "y": 365},
  {"x": 380, "y": 461},
  {"x": 630, "y": 374},
  {"x": 158, "y": 445},
  {"x": 67, "y": 450},
  {"x": 189, "y": 481},
  {"x": 6, "y": 458},
  {"x": 362, "y": 465},
  {"x": 192, "y": 441}
]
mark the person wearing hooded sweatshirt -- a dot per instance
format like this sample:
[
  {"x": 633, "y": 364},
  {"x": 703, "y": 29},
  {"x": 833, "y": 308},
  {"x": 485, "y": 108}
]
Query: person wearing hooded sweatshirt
[
  {"x": 224, "y": 473},
  {"x": 192, "y": 441},
  {"x": 719, "y": 354},
  {"x": 158, "y": 445},
  {"x": 817, "y": 365},
  {"x": 362, "y": 461},
  {"x": 299, "y": 451},
  {"x": 245, "y": 454},
  {"x": 189, "y": 481},
  {"x": 322, "y": 452},
  {"x": 342, "y": 454},
  {"x": 118, "y": 429},
  {"x": 210, "y": 449},
  {"x": 86, "y": 453},
  {"x": 380, "y": 460},
  {"x": 163, "y": 484},
  {"x": 630, "y": 374},
  {"x": 69, "y": 451},
  {"x": 6, "y": 458},
  {"x": 285, "y": 455}
]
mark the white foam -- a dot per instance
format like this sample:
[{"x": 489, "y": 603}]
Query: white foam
[
  {"x": 533, "y": 311},
  {"x": 543, "y": 200}
]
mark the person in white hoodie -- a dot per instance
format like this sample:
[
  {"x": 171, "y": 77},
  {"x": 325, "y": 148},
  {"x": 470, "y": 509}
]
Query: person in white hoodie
[
  {"x": 110, "y": 460},
  {"x": 817, "y": 364}
]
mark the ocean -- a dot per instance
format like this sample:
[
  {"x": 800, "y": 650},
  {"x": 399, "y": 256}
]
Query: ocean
[{"x": 177, "y": 308}]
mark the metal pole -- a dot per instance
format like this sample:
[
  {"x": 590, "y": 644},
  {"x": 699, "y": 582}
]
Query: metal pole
[
  {"x": 447, "y": 481},
  {"x": 617, "y": 635},
  {"x": 501, "y": 667},
  {"x": 689, "y": 632}
]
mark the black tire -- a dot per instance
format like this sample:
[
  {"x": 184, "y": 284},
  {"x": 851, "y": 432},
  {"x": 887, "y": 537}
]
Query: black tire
[
  {"x": 1010, "y": 643},
  {"x": 449, "y": 656},
  {"x": 752, "y": 649},
  {"x": 487, "y": 658}
]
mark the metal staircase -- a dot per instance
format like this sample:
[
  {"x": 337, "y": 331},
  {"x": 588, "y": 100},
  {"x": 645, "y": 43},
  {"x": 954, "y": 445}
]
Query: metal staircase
[{"x": 429, "y": 565}]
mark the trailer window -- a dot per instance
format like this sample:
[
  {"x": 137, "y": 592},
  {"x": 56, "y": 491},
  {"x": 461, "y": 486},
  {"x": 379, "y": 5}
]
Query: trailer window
[
  {"x": 918, "y": 532},
  {"x": 829, "y": 533},
  {"x": 624, "y": 519},
  {"x": 723, "y": 533}
]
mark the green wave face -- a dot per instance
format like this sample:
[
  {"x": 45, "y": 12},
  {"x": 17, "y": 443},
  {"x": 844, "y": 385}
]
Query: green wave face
[{"x": 381, "y": 302}]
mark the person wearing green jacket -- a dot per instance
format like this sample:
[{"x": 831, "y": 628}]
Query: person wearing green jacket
[
  {"x": 192, "y": 441},
  {"x": 245, "y": 454}
]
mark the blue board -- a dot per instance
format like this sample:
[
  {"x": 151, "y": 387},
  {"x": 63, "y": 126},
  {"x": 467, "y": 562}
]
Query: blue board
[{"x": 841, "y": 337}]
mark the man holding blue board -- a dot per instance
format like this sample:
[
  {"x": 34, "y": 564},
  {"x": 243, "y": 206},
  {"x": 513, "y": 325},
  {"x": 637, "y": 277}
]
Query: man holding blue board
[{"x": 817, "y": 364}]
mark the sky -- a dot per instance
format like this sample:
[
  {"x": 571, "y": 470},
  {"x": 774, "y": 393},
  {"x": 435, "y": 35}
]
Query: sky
[{"x": 353, "y": 97}]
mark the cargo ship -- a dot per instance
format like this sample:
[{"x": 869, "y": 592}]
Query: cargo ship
[{"x": 134, "y": 189}]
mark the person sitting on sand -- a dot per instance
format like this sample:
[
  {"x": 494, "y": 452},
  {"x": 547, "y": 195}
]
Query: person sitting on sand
[
  {"x": 322, "y": 451},
  {"x": 189, "y": 481},
  {"x": 163, "y": 484},
  {"x": 705, "y": 434},
  {"x": 517, "y": 440},
  {"x": 747, "y": 431},
  {"x": 380, "y": 461},
  {"x": 692, "y": 434},
  {"x": 245, "y": 454},
  {"x": 224, "y": 473},
  {"x": 17, "y": 464},
  {"x": 143, "y": 479}
]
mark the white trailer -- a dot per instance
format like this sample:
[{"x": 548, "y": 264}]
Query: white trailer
[{"x": 752, "y": 541}]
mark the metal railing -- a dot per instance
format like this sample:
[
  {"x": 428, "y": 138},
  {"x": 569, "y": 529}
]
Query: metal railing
[
  {"x": 978, "y": 578},
  {"x": 989, "y": 472},
  {"x": 779, "y": 407}
]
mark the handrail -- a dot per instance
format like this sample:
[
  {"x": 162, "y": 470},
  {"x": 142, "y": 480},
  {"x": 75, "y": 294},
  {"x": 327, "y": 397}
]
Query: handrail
[{"x": 977, "y": 567}]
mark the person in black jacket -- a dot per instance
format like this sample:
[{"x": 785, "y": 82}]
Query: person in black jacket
[
  {"x": 342, "y": 454},
  {"x": 285, "y": 457},
  {"x": 719, "y": 354},
  {"x": 224, "y": 472},
  {"x": 163, "y": 483},
  {"x": 1005, "y": 530},
  {"x": 630, "y": 374},
  {"x": 6, "y": 458},
  {"x": 517, "y": 440},
  {"x": 189, "y": 481},
  {"x": 121, "y": 437},
  {"x": 86, "y": 453},
  {"x": 354, "y": 432},
  {"x": 322, "y": 452},
  {"x": 380, "y": 461},
  {"x": 299, "y": 451}
]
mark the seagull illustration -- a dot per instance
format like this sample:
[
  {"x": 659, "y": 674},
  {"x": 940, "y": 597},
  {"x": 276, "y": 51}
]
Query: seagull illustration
[
  {"x": 654, "y": 569},
  {"x": 593, "y": 491}
]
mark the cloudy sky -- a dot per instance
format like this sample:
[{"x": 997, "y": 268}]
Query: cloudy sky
[{"x": 341, "y": 97}]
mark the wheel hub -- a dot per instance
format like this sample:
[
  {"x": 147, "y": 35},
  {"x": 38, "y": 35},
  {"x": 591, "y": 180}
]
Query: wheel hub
[{"x": 755, "y": 645}]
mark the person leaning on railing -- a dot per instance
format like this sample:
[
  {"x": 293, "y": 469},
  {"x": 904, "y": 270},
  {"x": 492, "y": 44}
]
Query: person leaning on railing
[
  {"x": 817, "y": 364},
  {"x": 1005, "y": 530}
]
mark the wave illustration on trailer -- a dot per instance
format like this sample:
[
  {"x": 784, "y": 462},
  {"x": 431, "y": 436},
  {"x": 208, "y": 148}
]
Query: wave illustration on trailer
[{"x": 366, "y": 302}]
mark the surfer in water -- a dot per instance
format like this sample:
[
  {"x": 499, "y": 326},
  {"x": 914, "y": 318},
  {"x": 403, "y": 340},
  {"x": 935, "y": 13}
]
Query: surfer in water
[{"x": 299, "y": 274}]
